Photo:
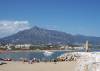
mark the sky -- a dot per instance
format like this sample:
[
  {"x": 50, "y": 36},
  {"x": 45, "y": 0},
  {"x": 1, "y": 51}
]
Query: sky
[{"x": 70, "y": 16}]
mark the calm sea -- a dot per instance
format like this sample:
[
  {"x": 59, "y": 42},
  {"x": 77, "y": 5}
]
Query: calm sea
[{"x": 30, "y": 55}]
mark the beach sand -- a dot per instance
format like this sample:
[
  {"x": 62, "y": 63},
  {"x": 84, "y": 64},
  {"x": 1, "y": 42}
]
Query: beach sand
[{"x": 49, "y": 66}]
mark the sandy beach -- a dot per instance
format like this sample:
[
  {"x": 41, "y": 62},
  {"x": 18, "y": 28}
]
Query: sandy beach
[
  {"x": 85, "y": 62},
  {"x": 20, "y": 66}
]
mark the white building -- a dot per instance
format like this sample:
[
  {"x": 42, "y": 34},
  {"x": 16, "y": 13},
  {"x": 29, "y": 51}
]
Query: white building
[{"x": 23, "y": 46}]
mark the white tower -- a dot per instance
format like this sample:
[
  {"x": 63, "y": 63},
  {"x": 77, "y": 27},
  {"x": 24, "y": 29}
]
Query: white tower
[{"x": 87, "y": 46}]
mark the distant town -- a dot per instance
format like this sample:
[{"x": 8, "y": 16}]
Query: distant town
[{"x": 84, "y": 46}]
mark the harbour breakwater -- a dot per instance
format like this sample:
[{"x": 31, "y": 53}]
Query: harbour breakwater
[
  {"x": 86, "y": 61},
  {"x": 89, "y": 61}
]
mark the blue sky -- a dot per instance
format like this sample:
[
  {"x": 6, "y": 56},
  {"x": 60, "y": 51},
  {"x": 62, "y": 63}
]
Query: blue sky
[{"x": 71, "y": 16}]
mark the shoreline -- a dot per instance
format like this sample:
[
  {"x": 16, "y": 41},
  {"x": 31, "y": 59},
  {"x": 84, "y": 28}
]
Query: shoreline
[{"x": 3, "y": 51}]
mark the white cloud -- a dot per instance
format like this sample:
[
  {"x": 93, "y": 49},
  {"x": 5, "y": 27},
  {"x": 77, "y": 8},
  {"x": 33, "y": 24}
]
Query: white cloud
[{"x": 10, "y": 27}]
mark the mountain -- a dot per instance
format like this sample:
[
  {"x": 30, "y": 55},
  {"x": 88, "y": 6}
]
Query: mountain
[{"x": 38, "y": 35}]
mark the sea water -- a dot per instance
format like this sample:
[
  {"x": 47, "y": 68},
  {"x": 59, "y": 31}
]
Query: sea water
[
  {"x": 34, "y": 54},
  {"x": 30, "y": 55}
]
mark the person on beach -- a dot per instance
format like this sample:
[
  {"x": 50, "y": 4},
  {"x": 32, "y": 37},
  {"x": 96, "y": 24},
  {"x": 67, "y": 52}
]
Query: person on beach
[
  {"x": 34, "y": 60},
  {"x": 30, "y": 61},
  {"x": 55, "y": 61}
]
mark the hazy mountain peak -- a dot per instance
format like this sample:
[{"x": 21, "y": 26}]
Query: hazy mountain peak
[
  {"x": 37, "y": 35},
  {"x": 36, "y": 27}
]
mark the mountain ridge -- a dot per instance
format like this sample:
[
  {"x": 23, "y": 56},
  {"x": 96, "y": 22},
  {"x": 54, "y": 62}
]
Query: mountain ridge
[{"x": 37, "y": 35}]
